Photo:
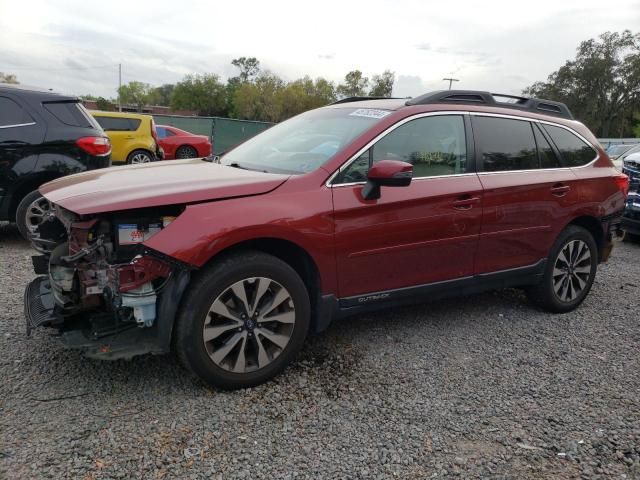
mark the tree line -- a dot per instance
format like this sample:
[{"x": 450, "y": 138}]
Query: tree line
[
  {"x": 601, "y": 86},
  {"x": 253, "y": 94}
]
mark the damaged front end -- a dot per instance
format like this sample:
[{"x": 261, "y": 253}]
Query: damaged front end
[{"x": 100, "y": 288}]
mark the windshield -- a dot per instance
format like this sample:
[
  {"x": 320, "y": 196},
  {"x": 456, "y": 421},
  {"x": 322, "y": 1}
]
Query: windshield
[
  {"x": 618, "y": 149},
  {"x": 304, "y": 142}
]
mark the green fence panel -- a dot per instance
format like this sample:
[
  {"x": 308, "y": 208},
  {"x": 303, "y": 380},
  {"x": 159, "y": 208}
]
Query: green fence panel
[
  {"x": 224, "y": 133},
  {"x": 228, "y": 133}
]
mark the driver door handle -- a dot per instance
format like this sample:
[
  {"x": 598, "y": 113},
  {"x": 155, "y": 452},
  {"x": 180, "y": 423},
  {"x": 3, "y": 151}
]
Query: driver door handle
[
  {"x": 465, "y": 202},
  {"x": 560, "y": 189}
]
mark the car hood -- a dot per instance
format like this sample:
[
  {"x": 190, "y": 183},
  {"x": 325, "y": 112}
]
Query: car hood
[{"x": 155, "y": 184}]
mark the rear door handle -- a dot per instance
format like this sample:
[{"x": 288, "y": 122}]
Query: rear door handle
[
  {"x": 465, "y": 202},
  {"x": 560, "y": 190}
]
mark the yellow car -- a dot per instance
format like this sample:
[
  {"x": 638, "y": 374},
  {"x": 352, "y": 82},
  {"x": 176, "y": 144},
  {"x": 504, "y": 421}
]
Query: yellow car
[{"x": 133, "y": 136}]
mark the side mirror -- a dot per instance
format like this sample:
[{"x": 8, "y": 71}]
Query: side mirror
[{"x": 386, "y": 173}]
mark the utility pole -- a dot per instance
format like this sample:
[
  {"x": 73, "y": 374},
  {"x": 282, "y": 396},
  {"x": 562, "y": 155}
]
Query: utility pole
[
  {"x": 119, "y": 86},
  {"x": 451, "y": 80}
]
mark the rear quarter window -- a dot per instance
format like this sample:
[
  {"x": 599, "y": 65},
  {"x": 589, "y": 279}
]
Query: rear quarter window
[
  {"x": 116, "y": 124},
  {"x": 69, "y": 113},
  {"x": 575, "y": 152}
]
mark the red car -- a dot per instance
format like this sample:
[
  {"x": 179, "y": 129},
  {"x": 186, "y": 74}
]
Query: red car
[
  {"x": 178, "y": 143},
  {"x": 359, "y": 205}
]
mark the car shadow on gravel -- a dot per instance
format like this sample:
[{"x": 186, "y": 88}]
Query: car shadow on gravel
[
  {"x": 10, "y": 236},
  {"x": 337, "y": 353}
]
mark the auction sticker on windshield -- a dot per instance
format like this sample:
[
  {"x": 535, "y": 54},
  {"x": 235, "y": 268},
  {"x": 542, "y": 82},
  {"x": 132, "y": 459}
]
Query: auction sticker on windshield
[{"x": 370, "y": 113}]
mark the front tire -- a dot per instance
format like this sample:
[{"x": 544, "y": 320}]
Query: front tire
[
  {"x": 139, "y": 156},
  {"x": 570, "y": 272},
  {"x": 243, "y": 320}
]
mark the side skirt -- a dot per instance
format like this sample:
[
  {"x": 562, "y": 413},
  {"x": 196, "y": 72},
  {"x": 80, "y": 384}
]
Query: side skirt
[{"x": 515, "y": 277}]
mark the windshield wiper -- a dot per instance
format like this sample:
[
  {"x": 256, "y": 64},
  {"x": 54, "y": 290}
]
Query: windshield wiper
[
  {"x": 237, "y": 165},
  {"x": 215, "y": 158}
]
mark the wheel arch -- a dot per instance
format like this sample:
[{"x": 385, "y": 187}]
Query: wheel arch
[
  {"x": 182, "y": 145},
  {"x": 26, "y": 186},
  {"x": 594, "y": 227},
  {"x": 293, "y": 255}
]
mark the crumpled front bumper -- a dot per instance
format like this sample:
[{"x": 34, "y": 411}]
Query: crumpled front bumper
[
  {"x": 39, "y": 304},
  {"x": 99, "y": 334}
]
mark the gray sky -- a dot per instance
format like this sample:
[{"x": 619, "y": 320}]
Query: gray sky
[{"x": 74, "y": 46}]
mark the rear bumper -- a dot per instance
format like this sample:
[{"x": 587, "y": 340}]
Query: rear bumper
[{"x": 613, "y": 234}]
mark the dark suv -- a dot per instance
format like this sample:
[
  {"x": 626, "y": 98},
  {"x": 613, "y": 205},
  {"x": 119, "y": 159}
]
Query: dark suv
[
  {"x": 359, "y": 205},
  {"x": 43, "y": 136}
]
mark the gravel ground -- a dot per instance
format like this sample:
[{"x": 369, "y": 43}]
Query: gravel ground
[{"x": 481, "y": 387}]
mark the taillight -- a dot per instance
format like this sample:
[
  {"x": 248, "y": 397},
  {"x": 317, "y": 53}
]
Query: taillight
[
  {"x": 96, "y": 146},
  {"x": 623, "y": 183}
]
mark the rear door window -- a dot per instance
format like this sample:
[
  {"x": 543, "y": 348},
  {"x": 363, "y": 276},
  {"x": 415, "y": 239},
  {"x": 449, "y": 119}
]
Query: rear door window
[
  {"x": 116, "y": 124},
  {"x": 12, "y": 114},
  {"x": 575, "y": 152},
  {"x": 504, "y": 144}
]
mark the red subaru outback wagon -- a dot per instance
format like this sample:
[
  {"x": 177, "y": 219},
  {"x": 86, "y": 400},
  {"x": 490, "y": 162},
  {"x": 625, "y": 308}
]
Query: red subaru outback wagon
[{"x": 363, "y": 204}]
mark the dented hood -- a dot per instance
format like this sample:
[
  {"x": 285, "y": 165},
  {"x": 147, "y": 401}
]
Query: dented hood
[{"x": 154, "y": 184}]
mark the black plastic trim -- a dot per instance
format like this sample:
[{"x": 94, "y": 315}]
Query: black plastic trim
[
  {"x": 515, "y": 277},
  {"x": 478, "y": 97}
]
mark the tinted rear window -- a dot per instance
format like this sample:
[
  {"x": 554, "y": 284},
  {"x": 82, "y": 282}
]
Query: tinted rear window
[
  {"x": 505, "y": 144},
  {"x": 574, "y": 151},
  {"x": 12, "y": 114},
  {"x": 69, "y": 113},
  {"x": 115, "y": 124},
  {"x": 548, "y": 158}
]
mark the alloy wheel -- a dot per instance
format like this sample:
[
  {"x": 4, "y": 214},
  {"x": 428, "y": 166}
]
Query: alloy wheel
[
  {"x": 186, "y": 152},
  {"x": 140, "y": 158},
  {"x": 38, "y": 212},
  {"x": 571, "y": 270},
  {"x": 249, "y": 324}
]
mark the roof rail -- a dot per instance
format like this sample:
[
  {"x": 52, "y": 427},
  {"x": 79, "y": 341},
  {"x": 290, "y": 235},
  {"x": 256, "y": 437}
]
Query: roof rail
[
  {"x": 360, "y": 99},
  {"x": 477, "y": 97}
]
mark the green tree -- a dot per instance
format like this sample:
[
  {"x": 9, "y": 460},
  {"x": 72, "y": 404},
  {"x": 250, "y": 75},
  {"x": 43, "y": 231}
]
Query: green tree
[
  {"x": 202, "y": 93},
  {"x": 601, "y": 85},
  {"x": 249, "y": 68},
  {"x": 161, "y": 95},
  {"x": 8, "y": 78},
  {"x": 305, "y": 94},
  {"x": 382, "y": 85},
  {"x": 355, "y": 85},
  {"x": 104, "y": 104},
  {"x": 261, "y": 99},
  {"x": 135, "y": 93}
]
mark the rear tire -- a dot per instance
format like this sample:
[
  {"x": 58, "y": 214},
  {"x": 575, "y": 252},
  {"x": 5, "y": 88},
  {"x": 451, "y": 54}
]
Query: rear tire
[
  {"x": 221, "y": 335},
  {"x": 570, "y": 271},
  {"x": 139, "y": 156},
  {"x": 186, "y": 151}
]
